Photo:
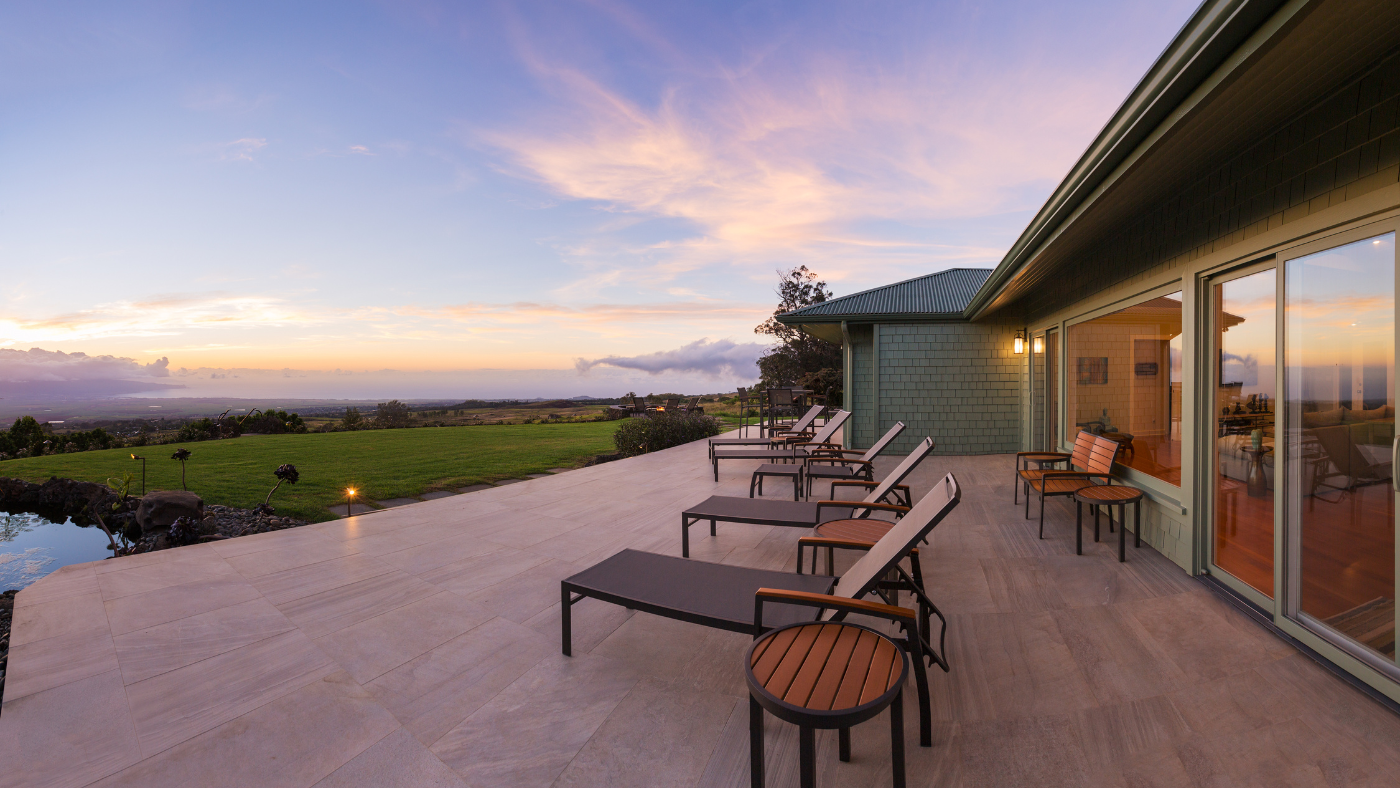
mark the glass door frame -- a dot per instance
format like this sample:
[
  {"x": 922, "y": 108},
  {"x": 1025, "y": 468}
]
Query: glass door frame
[
  {"x": 1207, "y": 455},
  {"x": 1040, "y": 416},
  {"x": 1353, "y": 657}
]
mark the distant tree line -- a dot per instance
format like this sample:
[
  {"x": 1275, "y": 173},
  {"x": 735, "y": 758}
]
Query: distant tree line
[{"x": 28, "y": 438}]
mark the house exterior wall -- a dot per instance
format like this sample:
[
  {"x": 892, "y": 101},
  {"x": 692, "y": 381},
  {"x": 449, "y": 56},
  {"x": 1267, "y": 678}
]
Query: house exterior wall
[
  {"x": 860, "y": 397},
  {"x": 1346, "y": 146},
  {"x": 959, "y": 383},
  {"x": 1321, "y": 171}
]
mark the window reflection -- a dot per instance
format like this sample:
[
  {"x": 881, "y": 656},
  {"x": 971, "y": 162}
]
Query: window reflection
[
  {"x": 1341, "y": 421},
  {"x": 1244, "y": 358},
  {"x": 1124, "y": 373}
]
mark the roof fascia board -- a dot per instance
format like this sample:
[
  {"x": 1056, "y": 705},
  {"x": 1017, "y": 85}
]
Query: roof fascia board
[
  {"x": 883, "y": 317},
  {"x": 1186, "y": 73}
]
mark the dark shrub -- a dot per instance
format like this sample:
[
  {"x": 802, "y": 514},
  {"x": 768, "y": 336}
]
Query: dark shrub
[
  {"x": 392, "y": 414},
  {"x": 662, "y": 431}
]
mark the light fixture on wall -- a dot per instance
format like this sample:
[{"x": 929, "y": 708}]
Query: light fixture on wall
[
  {"x": 1018, "y": 345},
  {"x": 1038, "y": 345}
]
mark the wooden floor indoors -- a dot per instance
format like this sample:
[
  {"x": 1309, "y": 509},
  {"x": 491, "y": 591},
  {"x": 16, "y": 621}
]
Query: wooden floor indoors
[{"x": 419, "y": 646}]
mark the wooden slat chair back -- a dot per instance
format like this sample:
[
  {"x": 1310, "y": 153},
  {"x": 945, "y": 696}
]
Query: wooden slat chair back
[
  {"x": 1092, "y": 459},
  {"x": 1078, "y": 458}
]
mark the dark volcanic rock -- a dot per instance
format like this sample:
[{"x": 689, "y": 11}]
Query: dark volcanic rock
[
  {"x": 159, "y": 509},
  {"x": 57, "y": 499}
]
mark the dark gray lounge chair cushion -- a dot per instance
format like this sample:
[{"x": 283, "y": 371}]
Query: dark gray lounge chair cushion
[
  {"x": 764, "y": 511},
  {"x": 715, "y": 595}
]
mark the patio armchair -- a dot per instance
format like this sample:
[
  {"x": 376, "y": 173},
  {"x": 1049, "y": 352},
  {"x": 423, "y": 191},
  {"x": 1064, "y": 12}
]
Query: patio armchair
[
  {"x": 835, "y": 464},
  {"x": 1083, "y": 442},
  {"x": 806, "y": 514},
  {"x": 753, "y": 601},
  {"x": 780, "y": 405},
  {"x": 1057, "y": 483}
]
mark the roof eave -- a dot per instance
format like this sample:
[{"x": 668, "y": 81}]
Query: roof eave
[{"x": 1203, "y": 46}]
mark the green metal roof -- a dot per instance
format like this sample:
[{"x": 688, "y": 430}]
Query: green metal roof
[{"x": 943, "y": 295}]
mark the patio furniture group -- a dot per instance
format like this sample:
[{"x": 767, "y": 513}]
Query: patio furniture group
[{"x": 754, "y": 601}]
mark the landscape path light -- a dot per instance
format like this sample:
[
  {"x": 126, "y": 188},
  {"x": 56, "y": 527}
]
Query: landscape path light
[
  {"x": 349, "y": 497},
  {"x": 143, "y": 472}
]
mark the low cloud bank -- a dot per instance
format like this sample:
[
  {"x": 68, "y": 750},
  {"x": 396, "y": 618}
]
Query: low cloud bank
[
  {"x": 51, "y": 374},
  {"x": 35, "y": 365},
  {"x": 722, "y": 357}
]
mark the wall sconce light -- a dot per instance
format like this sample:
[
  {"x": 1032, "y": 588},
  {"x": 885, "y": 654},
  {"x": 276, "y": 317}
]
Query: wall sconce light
[
  {"x": 1018, "y": 345},
  {"x": 1039, "y": 345}
]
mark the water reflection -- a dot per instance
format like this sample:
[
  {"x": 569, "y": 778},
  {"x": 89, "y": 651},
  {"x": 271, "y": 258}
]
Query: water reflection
[{"x": 31, "y": 547}]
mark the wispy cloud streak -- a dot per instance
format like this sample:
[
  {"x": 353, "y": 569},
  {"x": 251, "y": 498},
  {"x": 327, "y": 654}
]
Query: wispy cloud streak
[{"x": 723, "y": 357}]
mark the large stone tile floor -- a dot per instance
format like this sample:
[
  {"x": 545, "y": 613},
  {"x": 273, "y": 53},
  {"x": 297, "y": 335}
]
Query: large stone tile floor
[{"x": 420, "y": 647}]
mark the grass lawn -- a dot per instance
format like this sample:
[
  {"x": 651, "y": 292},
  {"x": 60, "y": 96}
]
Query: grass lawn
[{"x": 379, "y": 463}]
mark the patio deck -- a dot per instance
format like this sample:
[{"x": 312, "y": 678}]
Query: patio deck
[{"x": 420, "y": 646}]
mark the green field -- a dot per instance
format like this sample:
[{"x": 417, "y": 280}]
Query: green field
[{"x": 380, "y": 464}]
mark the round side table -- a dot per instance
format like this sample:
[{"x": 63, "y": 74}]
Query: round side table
[
  {"x": 1119, "y": 495},
  {"x": 859, "y": 673}
]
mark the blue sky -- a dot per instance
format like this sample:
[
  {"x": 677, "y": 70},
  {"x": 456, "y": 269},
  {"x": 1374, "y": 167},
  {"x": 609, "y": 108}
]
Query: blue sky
[{"x": 478, "y": 195}]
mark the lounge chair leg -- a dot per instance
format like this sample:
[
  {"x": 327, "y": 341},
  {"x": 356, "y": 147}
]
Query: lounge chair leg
[
  {"x": 897, "y": 739},
  {"x": 712, "y": 528},
  {"x": 716, "y": 464},
  {"x": 753, "y": 480},
  {"x": 685, "y": 538},
  {"x": 843, "y": 738},
  {"x": 807, "y": 757},
  {"x": 755, "y": 743},
  {"x": 925, "y": 710},
  {"x": 566, "y": 625}
]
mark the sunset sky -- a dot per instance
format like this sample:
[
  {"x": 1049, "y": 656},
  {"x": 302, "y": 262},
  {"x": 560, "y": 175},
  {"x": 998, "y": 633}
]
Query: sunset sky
[{"x": 479, "y": 195}]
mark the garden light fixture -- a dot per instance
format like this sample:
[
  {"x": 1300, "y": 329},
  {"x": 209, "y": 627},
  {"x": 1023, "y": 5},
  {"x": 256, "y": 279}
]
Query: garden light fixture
[
  {"x": 349, "y": 496},
  {"x": 143, "y": 472}
]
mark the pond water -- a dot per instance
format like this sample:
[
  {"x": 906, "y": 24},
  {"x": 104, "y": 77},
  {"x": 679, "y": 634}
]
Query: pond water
[{"x": 31, "y": 547}]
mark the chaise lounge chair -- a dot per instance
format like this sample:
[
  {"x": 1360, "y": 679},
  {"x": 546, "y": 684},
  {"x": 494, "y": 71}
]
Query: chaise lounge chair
[
  {"x": 832, "y": 463},
  {"x": 752, "y": 601},
  {"x": 801, "y": 426},
  {"x": 803, "y": 514},
  {"x": 792, "y": 452}
]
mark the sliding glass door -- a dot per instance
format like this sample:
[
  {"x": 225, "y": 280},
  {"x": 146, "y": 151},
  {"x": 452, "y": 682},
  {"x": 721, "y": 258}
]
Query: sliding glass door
[
  {"x": 1338, "y": 444},
  {"x": 1243, "y": 370}
]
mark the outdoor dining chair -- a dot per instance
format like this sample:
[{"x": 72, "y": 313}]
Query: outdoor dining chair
[{"x": 754, "y": 601}]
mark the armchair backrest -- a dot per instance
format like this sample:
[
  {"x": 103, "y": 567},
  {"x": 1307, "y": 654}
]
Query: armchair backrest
[
  {"x": 639, "y": 404},
  {"x": 780, "y": 398},
  {"x": 1083, "y": 449},
  {"x": 1102, "y": 456}
]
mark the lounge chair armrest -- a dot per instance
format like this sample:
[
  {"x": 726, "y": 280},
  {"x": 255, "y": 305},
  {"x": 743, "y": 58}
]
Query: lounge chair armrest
[
  {"x": 838, "y": 461},
  {"x": 1058, "y": 454},
  {"x": 829, "y": 602},
  {"x": 867, "y": 485},
  {"x": 886, "y": 507}
]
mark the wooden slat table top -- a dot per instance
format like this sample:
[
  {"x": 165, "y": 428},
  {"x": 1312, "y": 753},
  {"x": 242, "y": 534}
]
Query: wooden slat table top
[
  {"x": 867, "y": 530},
  {"x": 827, "y": 667},
  {"x": 1115, "y": 493}
]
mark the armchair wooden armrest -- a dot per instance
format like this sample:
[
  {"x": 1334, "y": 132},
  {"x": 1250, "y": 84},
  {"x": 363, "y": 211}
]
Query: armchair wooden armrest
[
  {"x": 1060, "y": 454},
  {"x": 1052, "y": 475}
]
